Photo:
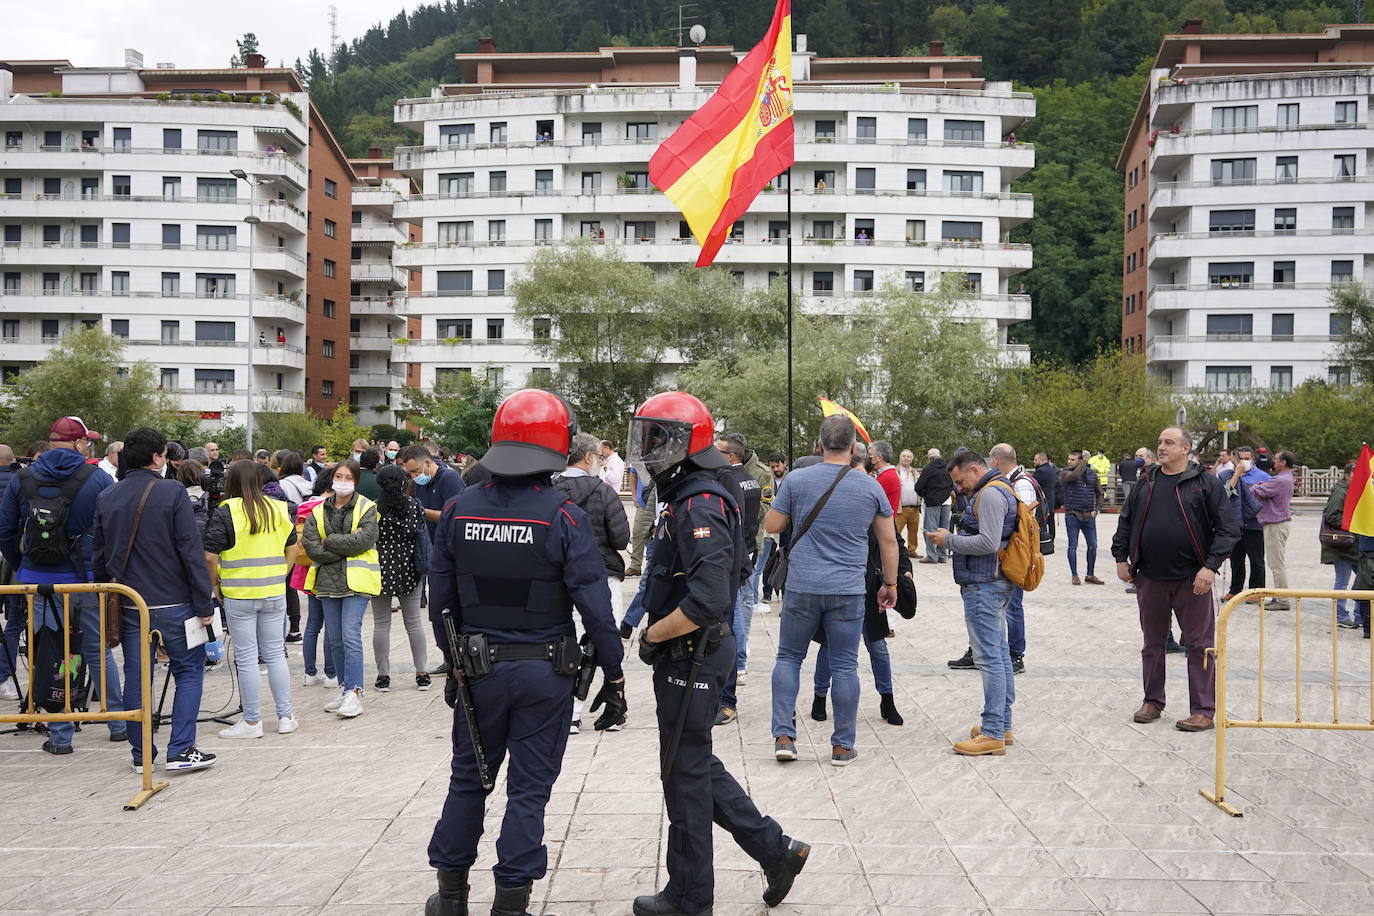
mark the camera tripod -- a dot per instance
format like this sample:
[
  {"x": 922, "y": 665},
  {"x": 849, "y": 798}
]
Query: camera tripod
[{"x": 221, "y": 716}]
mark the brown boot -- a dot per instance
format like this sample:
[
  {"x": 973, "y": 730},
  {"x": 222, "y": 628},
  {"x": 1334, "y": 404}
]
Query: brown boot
[
  {"x": 981, "y": 746},
  {"x": 1148, "y": 712},
  {"x": 1006, "y": 738},
  {"x": 1197, "y": 722}
]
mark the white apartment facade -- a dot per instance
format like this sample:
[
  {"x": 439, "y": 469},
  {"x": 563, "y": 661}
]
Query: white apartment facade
[
  {"x": 904, "y": 168},
  {"x": 378, "y": 295}
]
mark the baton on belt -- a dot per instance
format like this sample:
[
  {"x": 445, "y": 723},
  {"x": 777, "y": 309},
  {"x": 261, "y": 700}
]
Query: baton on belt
[
  {"x": 465, "y": 699},
  {"x": 698, "y": 658}
]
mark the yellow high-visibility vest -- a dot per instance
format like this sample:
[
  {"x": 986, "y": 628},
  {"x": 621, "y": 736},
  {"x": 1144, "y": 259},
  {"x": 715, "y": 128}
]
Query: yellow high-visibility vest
[
  {"x": 364, "y": 571},
  {"x": 255, "y": 567}
]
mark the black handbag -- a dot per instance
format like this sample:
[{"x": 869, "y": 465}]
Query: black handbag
[
  {"x": 1331, "y": 536},
  {"x": 775, "y": 570}
]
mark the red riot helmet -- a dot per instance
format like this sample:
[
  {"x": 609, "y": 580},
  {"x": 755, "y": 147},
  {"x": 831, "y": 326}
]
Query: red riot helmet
[
  {"x": 531, "y": 434},
  {"x": 669, "y": 430}
]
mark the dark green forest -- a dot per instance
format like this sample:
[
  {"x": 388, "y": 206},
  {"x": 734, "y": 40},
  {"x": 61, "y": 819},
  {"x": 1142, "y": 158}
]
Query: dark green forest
[{"x": 1084, "y": 59}]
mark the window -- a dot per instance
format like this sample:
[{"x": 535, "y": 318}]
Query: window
[
  {"x": 1231, "y": 274},
  {"x": 1235, "y": 117},
  {"x": 327, "y": 349},
  {"x": 121, "y": 186},
  {"x": 171, "y": 235},
  {"x": 216, "y": 188},
  {"x": 636, "y": 181},
  {"x": 52, "y": 139},
  {"x": 915, "y": 181},
  {"x": 543, "y": 131},
  {"x": 1286, "y": 168},
  {"x": 49, "y": 329},
  {"x": 1338, "y": 376},
  {"x": 1288, "y": 114},
  {"x": 498, "y": 132},
  {"x": 357, "y": 217},
  {"x": 52, "y": 283},
  {"x": 591, "y": 132},
  {"x": 496, "y": 328},
  {"x": 171, "y": 331},
  {"x": 454, "y": 282},
  {"x": 863, "y": 281},
  {"x": 1285, "y": 220},
  {"x": 496, "y": 282},
  {"x": 916, "y": 281},
  {"x": 778, "y": 229},
  {"x": 1231, "y": 221},
  {"x": 119, "y": 235},
  {"x": 171, "y": 285},
  {"x": 1343, "y": 219},
  {"x": 330, "y": 268},
  {"x": 1345, "y": 165},
  {"x": 171, "y": 187},
  {"x": 1346, "y": 113},
  {"x": 446, "y": 375},
  {"x": 540, "y": 377},
  {"x": 542, "y": 328},
  {"x": 1342, "y": 271},
  {"x": 455, "y": 183},
  {"x": 1232, "y": 171},
  {"x": 457, "y": 233},
  {"x": 217, "y": 140},
  {"x": 52, "y": 236},
  {"x": 866, "y": 130},
  {"x": 1339, "y": 325},
  {"x": 14, "y": 187},
  {"x": 823, "y": 180},
  {"x": 915, "y": 231},
  {"x": 823, "y": 281},
  {"x": 496, "y": 183},
  {"x": 543, "y": 231},
  {"x": 327, "y": 388},
  {"x": 973, "y": 282},
  {"x": 331, "y": 229},
  {"x": 825, "y": 131},
  {"x": 14, "y": 139},
  {"x": 1130, "y": 262},
  {"x": 214, "y": 330},
  {"x": 1222, "y": 378},
  {"x": 1281, "y": 326},
  {"x": 641, "y": 131},
  {"x": 496, "y": 377},
  {"x": 1281, "y": 377},
  {"x": 961, "y": 231},
  {"x": 119, "y": 282},
  {"x": 214, "y": 286},
  {"x": 964, "y": 131},
  {"x": 89, "y": 283},
  {"x": 329, "y": 308},
  {"x": 591, "y": 182},
  {"x": 124, "y": 139},
  {"x": 1130, "y": 306},
  {"x": 865, "y": 180},
  {"x": 90, "y": 187},
  {"x": 1230, "y": 327},
  {"x": 52, "y": 187},
  {"x": 331, "y": 188},
  {"x": 543, "y": 181},
  {"x": 1284, "y": 272},
  {"x": 456, "y": 134},
  {"x": 820, "y": 229},
  {"x": 451, "y": 328},
  {"x": 964, "y": 182},
  {"x": 13, "y": 236},
  {"x": 496, "y": 231},
  {"x": 171, "y": 138},
  {"x": 1134, "y": 177},
  {"x": 916, "y": 130},
  {"x": 218, "y": 238},
  {"x": 119, "y": 327}
]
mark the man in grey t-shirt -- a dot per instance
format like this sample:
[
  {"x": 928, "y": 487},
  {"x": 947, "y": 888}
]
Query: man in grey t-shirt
[{"x": 825, "y": 582}]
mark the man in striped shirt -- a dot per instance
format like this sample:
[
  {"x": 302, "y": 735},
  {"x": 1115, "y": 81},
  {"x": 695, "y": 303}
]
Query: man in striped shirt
[{"x": 1275, "y": 497}]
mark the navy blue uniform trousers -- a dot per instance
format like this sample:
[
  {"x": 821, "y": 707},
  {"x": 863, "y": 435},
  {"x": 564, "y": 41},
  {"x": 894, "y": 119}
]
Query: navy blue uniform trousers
[
  {"x": 523, "y": 709},
  {"x": 700, "y": 791}
]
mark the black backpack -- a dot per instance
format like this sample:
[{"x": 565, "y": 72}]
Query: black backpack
[
  {"x": 44, "y": 539},
  {"x": 1044, "y": 513}
]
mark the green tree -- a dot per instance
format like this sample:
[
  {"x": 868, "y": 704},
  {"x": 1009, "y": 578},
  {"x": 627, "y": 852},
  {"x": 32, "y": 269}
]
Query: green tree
[
  {"x": 833, "y": 29},
  {"x": 457, "y": 415},
  {"x": 337, "y": 434},
  {"x": 292, "y": 430},
  {"x": 85, "y": 376},
  {"x": 248, "y": 44},
  {"x": 1323, "y": 425},
  {"x": 1355, "y": 304}
]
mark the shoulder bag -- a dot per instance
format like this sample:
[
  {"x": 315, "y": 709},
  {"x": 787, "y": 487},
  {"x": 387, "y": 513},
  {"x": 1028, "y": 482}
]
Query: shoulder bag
[
  {"x": 1331, "y": 536},
  {"x": 775, "y": 570},
  {"x": 113, "y": 605}
]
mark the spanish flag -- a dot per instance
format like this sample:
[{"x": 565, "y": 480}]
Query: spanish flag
[
  {"x": 1359, "y": 499},
  {"x": 829, "y": 408},
  {"x": 715, "y": 164}
]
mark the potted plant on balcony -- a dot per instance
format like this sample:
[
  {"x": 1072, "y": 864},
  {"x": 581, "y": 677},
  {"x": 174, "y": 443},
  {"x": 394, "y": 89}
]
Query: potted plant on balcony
[
  {"x": 453, "y": 341},
  {"x": 401, "y": 341},
  {"x": 624, "y": 181},
  {"x": 294, "y": 296}
]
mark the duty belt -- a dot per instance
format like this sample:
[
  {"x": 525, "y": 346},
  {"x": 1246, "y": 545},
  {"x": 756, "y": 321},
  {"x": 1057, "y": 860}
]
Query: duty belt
[
  {"x": 477, "y": 656},
  {"x": 681, "y": 647}
]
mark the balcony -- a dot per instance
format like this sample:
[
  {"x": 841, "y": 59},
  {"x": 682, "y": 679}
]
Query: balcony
[
  {"x": 1263, "y": 348},
  {"x": 375, "y": 197},
  {"x": 1011, "y": 356},
  {"x": 365, "y": 342},
  {"x": 359, "y": 378},
  {"x": 390, "y": 307},
  {"x": 1248, "y": 244},
  {"x": 1320, "y": 189},
  {"x": 383, "y": 272},
  {"x": 281, "y": 216},
  {"x": 124, "y": 255},
  {"x": 75, "y": 206},
  {"x": 60, "y": 301},
  {"x": 378, "y": 234},
  {"x": 1170, "y": 297}
]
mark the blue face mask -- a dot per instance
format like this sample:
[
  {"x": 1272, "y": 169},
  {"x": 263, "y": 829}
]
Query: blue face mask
[
  {"x": 423, "y": 479},
  {"x": 390, "y": 454}
]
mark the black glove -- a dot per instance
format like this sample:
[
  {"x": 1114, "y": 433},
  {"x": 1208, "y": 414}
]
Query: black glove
[
  {"x": 451, "y": 691},
  {"x": 612, "y": 695},
  {"x": 649, "y": 651}
]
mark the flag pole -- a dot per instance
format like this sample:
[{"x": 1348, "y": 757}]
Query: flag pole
[{"x": 790, "y": 424}]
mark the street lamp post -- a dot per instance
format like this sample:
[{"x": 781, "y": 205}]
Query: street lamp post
[{"x": 252, "y": 220}]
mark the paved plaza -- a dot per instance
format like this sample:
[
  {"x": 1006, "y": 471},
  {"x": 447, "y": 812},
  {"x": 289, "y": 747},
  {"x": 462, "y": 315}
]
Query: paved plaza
[{"x": 1088, "y": 813}]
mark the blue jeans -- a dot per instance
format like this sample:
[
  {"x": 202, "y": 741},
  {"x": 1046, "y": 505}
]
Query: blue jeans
[
  {"x": 1016, "y": 621},
  {"x": 935, "y": 517},
  {"x": 188, "y": 670},
  {"x": 635, "y": 612},
  {"x": 1089, "y": 528},
  {"x": 803, "y": 613},
  {"x": 255, "y": 624},
  {"x": 314, "y": 623},
  {"x": 86, "y": 610},
  {"x": 756, "y": 580},
  {"x": 14, "y": 625},
  {"x": 1344, "y": 573},
  {"x": 343, "y": 637},
  {"x": 985, "y": 615},
  {"x": 877, "y": 657}
]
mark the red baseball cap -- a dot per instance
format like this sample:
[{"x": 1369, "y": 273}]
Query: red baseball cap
[{"x": 69, "y": 429}]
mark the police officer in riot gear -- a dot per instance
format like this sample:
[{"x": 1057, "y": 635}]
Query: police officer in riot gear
[
  {"x": 512, "y": 558},
  {"x": 699, "y": 559}
]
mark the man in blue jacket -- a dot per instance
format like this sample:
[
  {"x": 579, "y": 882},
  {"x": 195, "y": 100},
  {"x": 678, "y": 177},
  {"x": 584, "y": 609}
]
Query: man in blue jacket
[
  {"x": 61, "y": 473},
  {"x": 166, "y": 565}
]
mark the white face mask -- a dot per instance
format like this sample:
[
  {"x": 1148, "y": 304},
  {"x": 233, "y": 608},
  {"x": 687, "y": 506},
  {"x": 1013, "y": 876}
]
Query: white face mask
[
  {"x": 357, "y": 455},
  {"x": 343, "y": 487}
]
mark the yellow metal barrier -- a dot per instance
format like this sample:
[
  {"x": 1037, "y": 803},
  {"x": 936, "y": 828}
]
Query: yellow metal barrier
[
  {"x": 1223, "y": 720},
  {"x": 143, "y": 716}
]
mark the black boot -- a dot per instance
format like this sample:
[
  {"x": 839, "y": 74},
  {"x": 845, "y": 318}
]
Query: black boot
[
  {"x": 511, "y": 901},
  {"x": 784, "y": 872},
  {"x": 963, "y": 661},
  {"x": 660, "y": 905},
  {"x": 818, "y": 708},
  {"x": 452, "y": 899},
  {"x": 888, "y": 710}
]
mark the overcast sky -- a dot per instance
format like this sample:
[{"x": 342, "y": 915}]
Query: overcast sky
[{"x": 94, "y": 33}]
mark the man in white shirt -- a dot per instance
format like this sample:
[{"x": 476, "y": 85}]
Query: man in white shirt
[
  {"x": 909, "y": 513},
  {"x": 612, "y": 465},
  {"x": 110, "y": 463}
]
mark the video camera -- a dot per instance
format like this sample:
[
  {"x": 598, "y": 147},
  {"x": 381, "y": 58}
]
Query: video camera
[{"x": 213, "y": 480}]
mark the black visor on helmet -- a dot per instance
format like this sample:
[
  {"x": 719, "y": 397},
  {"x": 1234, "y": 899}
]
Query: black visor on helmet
[{"x": 657, "y": 445}]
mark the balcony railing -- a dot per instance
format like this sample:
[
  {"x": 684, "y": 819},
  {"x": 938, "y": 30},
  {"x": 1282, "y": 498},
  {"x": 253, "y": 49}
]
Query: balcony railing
[
  {"x": 160, "y": 199},
  {"x": 403, "y": 153},
  {"x": 149, "y": 294},
  {"x": 1258, "y": 234},
  {"x": 799, "y": 192},
  {"x": 1210, "y": 287},
  {"x": 705, "y": 88},
  {"x": 147, "y": 246},
  {"x": 1159, "y": 186},
  {"x": 1257, "y": 129},
  {"x": 1247, "y": 338},
  {"x": 147, "y": 150},
  {"x": 676, "y": 240},
  {"x": 148, "y": 342}
]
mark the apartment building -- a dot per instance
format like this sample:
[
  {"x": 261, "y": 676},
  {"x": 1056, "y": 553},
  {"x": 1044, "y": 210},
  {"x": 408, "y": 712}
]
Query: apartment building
[
  {"x": 202, "y": 215},
  {"x": 1247, "y": 199},
  {"x": 379, "y": 322},
  {"x": 904, "y": 169}
]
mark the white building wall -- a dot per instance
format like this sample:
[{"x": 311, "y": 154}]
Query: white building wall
[{"x": 379, "y": 304}]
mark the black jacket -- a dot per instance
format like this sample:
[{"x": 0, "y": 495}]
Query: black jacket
[
  {"x": 1208, "y": 518},
  {"x": 934, "y": 485},
  {"x": 609, "y": 523},
  {"x": 1047, "y": 475}
]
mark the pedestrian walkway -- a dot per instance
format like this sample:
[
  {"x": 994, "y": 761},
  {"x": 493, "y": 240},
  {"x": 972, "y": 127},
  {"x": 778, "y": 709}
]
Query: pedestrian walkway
[{"x": 1087, "y": 813}]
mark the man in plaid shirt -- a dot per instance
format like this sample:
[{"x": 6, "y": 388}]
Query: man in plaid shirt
[{"x": 1275, "y": 496}]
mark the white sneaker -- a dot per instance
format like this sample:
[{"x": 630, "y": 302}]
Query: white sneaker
[
  {"x": 352, "y": 705},
  {"x": 332, "y": 683},
  {"x": 762, "y": 607},
  {"x": 242, "y": 729},
  {"x": 334, "y": 704},
  {"x": 311, "y": 680},
  {"x": 8, "y": 691},
  {"x": 287, "y": 725}
]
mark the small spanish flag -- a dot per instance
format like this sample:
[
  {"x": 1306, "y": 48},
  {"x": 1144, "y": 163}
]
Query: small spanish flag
[
  {"x": 715, "y": 164},
  {"x": 1359, "y": 499},
  {"x": 829, "y": 408}
]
